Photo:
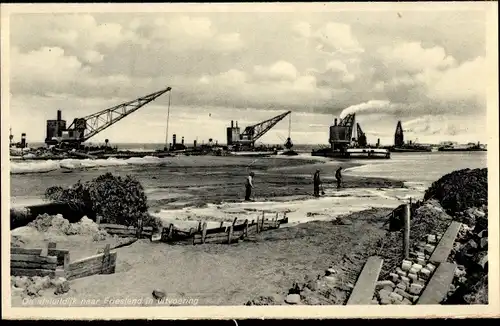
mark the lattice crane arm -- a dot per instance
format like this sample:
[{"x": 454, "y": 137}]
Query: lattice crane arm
[
  {"x": 258, "y": 130},
  {"x": 97, "y": 122}
]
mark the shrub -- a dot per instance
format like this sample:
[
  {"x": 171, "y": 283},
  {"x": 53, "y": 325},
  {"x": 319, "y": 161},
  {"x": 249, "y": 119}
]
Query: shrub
[{"x": 116, "y": 199}]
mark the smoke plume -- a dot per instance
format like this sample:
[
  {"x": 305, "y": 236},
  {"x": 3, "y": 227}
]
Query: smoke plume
[{"x": 371, "y": 106}]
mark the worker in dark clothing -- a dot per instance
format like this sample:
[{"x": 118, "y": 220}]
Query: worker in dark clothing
[
  {"x": 338, "y": 176},
  {"x": 249, "y": 186},
  {"x": 317, "y": 183}
]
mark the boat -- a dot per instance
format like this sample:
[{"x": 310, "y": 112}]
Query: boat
[
  {"x": 470, "y": 147},
  {"x": 350, "y": 153}
]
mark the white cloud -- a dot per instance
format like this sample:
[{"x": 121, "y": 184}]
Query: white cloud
[
  {"x": 337, "y": 37},
  {"x": 302, "y": 29},
  {"x": 412, "y": 57},
  {"x": 280, "y": 70}
]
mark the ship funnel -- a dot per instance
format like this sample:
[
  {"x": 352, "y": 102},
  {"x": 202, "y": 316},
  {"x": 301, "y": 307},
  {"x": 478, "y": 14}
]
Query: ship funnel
[
  {"x": 232, "y": 124},
  {"x": 335, "y": 122}
]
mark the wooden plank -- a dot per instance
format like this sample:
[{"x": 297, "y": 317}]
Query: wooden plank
[
  {"x": 29, "y": 264},
  {"x": 445, "y": 245},
  {"x": 24, "y": 251},
  {"x": 32, "y": 272},
  {"x": 437, "y": 288},
  {"x": 362, "y": 293},
  {"x": 95, "y": 268},
  {"x": 59, "y": 253},
  {"x": 33, "y": 258},
  {"x": 86, "y": 259}
]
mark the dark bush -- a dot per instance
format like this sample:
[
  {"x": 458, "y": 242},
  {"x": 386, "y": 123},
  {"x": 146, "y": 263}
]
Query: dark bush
[
  {"x": 460, "y": 190},
  {"x": 116, "y": 199}
]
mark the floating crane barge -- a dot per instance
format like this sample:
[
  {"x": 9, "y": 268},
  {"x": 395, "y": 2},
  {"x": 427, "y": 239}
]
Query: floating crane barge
[{"x": 347, "y": 140}]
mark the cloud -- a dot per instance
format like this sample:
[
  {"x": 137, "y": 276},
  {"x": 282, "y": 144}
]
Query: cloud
[
  {"x": 412, "y": 57},
  {"x": 332, "y": 37},
  {"x": 278, "y": 71},
  {"x": 184, "y": 33}
]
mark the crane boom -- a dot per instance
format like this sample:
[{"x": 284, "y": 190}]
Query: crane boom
[
  {"x": 91, "y": 125},
  {"x": 256, "y": 131}
]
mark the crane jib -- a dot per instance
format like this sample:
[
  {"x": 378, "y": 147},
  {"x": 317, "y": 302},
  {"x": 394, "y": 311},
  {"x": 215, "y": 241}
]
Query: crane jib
[{"x": 91, "y": 125}]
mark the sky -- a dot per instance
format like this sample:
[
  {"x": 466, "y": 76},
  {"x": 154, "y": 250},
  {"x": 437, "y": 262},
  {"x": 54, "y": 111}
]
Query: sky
[{"x": 425, "y": 68}]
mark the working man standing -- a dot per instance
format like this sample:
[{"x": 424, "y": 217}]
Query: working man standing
[
  {"x": 249, "y": 186},
  {"x": 317, "y": 183},
  {"x": 338, "y": 176}
]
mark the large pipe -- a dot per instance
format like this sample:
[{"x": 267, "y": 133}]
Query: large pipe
[
  {"x": 174, "y": 138},
  {"x": 232, "y": 124},
  {"x": 335, "y": 122},
  {"x": 59, "y": 115}
]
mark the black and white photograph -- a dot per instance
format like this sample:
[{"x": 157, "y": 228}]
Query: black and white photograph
[{"x": 266, "y": 155}]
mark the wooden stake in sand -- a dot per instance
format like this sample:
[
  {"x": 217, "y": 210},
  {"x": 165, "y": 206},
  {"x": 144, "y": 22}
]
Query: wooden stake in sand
[
  {"x": 203, "y": 232},
  {"x": 406, "y": 231},
  {"x": 245, "y": 232},
  {"x": 258, "y": 224},
  {"x": 230, "y": 234}
]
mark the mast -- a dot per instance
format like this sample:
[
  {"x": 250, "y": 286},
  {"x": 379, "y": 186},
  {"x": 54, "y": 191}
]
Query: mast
[{"x": 168, "y": 118}]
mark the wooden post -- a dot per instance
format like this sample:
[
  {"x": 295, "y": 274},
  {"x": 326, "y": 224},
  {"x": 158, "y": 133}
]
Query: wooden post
[
  {"x": 234, "y": 222},
  {"x": 276, "y": 220},
  {"x": 199, "y": 226},
  {"x": 221, "y": 224},
  {"x": 245, "y": 232},
  {"x": 170, "y": 231},
  {"x": 262, "y": 225},
  {"x": 258, "y": 225},
  {"x": 139, "y": 228},
  {"x": 203, "y": 232},
  {"x": 66, "y": 265},
  {"x": 106, "y": 259},
  {"x": 406, "y": 231},
  {"x": 230, "y": 234}
]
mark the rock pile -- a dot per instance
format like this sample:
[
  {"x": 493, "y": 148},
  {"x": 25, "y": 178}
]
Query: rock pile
[
  {"x": 470, "y": 252},
  {"x": 460, "y": 190},
  {"x": 32, "y": 286},
  {"x": 407, "y": 281},
  {"x": 57, "y": 225}
]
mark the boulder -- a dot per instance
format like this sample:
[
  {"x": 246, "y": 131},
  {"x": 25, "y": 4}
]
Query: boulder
[
  {"x": 32, "y": 290},
  {"x": 312, "y": 285},
  {"x": 330, "y": 271},
  {"x": 159, "y": 294},
  {"x": 384, "y": 284},
  {"x": 483, "y": 243},
  {"x": 261, "y": 301},
  {"x": 62, "y": 286},
  {"x": 21, "y": 282},
  {"x": 383, "y": 294},
  {"x": 293, "y": 299}
]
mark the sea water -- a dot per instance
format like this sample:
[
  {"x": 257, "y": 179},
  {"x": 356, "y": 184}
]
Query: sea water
[{"x": 417, "y": 170}]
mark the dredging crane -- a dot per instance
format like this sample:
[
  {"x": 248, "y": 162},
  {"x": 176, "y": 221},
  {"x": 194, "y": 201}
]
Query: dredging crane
[
  {"x": 82, "y": 129},
  {"x": 252, "y": 133},
  {"x": 348, "y": 140}
]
